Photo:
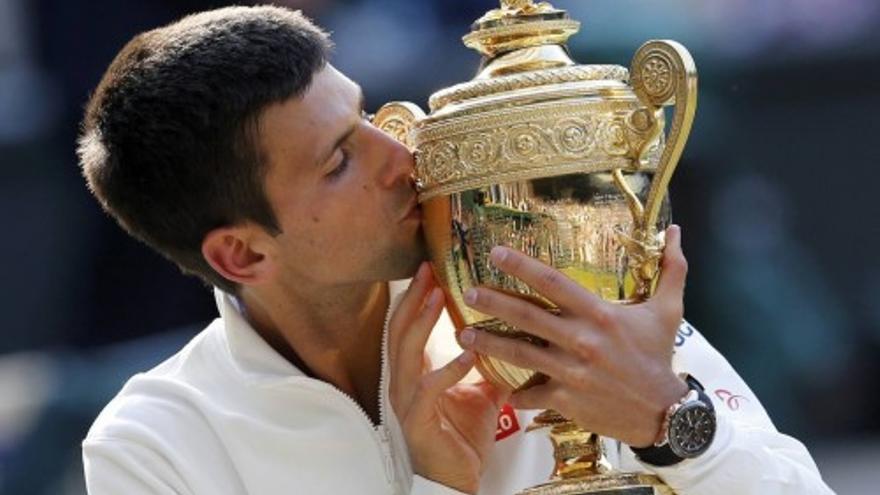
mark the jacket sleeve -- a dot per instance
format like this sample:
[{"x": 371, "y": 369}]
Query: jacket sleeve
[
  {"x": 748, "y": 455},
  {"x": 116, "y": 466}
]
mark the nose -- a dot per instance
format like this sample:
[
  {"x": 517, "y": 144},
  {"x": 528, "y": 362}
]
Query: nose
[{"x": 397, "y": 164}]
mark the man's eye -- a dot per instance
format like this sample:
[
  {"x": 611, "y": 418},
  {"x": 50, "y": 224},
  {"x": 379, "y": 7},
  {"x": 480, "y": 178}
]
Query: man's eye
[{"x": 343, "y": 165}]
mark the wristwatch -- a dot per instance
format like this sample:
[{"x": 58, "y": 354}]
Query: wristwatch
[{"x": 688, "y": 429}]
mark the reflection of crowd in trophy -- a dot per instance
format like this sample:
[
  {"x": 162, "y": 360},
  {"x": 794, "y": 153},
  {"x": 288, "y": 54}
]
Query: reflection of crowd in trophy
[{"x": 564, "y": 221}]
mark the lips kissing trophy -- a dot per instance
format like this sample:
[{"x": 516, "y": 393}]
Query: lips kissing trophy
[{"x": 568, "y": 163}]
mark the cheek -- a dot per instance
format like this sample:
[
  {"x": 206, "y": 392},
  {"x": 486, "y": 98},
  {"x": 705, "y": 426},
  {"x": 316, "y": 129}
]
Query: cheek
[
  {"x": 336, "y": 216},
  {"x": 328, "y": 227}
]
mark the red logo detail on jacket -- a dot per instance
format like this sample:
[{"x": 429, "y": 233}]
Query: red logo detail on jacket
[{"x": 507, "y": 423}]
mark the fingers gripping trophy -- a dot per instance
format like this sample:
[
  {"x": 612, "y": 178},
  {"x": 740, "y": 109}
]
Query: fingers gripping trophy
[{"x": 567, "y": 163}]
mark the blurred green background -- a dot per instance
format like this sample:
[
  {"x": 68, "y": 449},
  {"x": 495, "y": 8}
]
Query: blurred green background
[{"x": 775, "y": 196}]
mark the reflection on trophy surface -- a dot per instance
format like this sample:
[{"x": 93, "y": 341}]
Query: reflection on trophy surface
[
  {"x": 571, "y": 222},
  {"x": 567, "y": 163}
]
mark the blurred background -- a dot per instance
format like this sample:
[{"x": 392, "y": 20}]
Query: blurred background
[{"x": 775, "y": 195}]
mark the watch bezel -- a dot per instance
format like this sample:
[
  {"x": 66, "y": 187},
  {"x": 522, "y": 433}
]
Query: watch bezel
[{"x": 677, "y": 428}]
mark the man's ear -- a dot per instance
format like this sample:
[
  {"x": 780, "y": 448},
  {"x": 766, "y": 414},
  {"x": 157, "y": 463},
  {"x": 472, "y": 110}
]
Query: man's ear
[{"x": 239, "y": 253}]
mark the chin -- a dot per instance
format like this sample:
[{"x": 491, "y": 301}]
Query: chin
[{"x": 403, "y": 262}]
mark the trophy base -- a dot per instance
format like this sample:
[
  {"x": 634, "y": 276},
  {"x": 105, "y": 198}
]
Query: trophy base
[{"x": 603, "y": 484}]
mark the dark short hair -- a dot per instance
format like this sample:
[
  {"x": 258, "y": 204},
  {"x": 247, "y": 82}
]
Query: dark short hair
[{"x": 169, "y": 143}]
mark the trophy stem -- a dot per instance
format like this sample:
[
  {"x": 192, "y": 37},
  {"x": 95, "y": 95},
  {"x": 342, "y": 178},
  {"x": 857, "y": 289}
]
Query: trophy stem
[
  {"x": 581, "y": 467},
  {"x": 576, "y": 452}
]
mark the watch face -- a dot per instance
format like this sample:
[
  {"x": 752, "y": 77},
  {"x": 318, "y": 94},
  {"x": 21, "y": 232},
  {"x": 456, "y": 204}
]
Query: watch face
[{"x": 691, "y": 429}]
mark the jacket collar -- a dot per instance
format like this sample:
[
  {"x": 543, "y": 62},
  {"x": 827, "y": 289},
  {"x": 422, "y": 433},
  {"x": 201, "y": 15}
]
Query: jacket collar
[
  {"x": 249, "y": 354},
  {"x": 252, "y": 356}
]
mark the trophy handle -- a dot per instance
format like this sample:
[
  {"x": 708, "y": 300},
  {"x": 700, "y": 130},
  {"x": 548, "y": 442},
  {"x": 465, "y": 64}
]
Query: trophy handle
[
  {"x": 397, "y": 119},
  {"x": 663, "y": 73}
]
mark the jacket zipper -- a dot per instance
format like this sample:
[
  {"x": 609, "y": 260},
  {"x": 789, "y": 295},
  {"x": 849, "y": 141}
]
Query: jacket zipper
[
  {"x": 384, "y": 436},
  {"x": 380, "y": 431}
]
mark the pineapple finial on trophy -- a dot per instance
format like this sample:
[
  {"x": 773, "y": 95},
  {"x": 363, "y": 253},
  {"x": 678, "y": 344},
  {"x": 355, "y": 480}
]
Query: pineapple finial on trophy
[{"x": 520, "y": 24}]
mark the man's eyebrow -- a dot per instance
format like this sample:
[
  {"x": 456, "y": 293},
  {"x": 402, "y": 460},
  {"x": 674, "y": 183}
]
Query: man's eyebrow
[{"x": 348, "y": 131}]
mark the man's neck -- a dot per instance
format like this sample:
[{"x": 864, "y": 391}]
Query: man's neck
[{"x": 333, "y": 334}]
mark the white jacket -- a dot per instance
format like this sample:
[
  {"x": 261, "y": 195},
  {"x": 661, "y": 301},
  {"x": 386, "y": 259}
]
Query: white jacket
[{"x": 228, "y": 415}]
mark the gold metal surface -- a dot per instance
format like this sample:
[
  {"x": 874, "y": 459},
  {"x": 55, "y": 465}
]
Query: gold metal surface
[
  {"x": 397, "y": 120},
  {"x": 568, "y": 163},
  {"x": 605, "y": 484},
  {"x": 520, "y": 24},
  {"x": 477, "y": 89},
  {"x": 571, "y": 222},
  {"x": 519, "y": 140},
  {"x": 663, "y": 73}
]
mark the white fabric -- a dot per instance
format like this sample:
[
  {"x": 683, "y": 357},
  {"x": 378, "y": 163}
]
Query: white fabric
[{"x": 228, "y": 415}]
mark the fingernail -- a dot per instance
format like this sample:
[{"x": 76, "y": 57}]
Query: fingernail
[
  {"x": 435, "y": 297},
  {"x": 470, "y": 296},
  {"x": 467, "y": 336},
  {"x": 498, "y": 254}
]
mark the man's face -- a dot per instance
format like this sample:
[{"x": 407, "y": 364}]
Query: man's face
[{"x": 341, "y": 189}]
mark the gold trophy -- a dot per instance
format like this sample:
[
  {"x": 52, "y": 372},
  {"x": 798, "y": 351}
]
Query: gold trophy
[{"x": 568, "y": 163}]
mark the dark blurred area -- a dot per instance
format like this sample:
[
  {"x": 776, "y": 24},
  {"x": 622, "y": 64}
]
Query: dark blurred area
[{"x": 775, "y": 196}]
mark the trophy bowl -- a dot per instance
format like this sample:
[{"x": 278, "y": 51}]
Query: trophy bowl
[
  {"x": 568, "y": 163},
  {"x": 571, "y": 222}
]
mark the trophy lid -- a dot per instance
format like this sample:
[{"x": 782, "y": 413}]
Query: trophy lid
[
  {"x": 533, "y": 112},
  {"x": 525, "y": 61}
]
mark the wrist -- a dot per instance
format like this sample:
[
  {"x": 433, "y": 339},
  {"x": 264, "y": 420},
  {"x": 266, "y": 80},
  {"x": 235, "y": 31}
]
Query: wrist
[
  {"x": 658, "y": 419},
  {"x": 687, "y": 431}
]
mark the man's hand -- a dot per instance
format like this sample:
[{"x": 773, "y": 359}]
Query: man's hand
[
  {"x": 449, "y": 427},
  {"x": 609, "y": 365}
]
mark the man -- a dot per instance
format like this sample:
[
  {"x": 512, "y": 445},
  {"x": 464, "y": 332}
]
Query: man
[{"x": 228, "y": 143}]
